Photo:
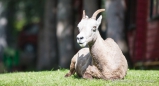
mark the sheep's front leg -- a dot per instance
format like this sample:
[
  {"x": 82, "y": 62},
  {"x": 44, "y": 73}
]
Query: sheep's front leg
[
  {"x": 72, "y": 67},
  {"x": 71, "y": 72},
  {"x": 92, "y": 72}
]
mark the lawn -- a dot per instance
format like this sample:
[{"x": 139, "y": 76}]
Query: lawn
[{"x": 56, "y": 78}]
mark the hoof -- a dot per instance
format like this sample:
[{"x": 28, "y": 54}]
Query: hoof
[
  {"x": 87, "y": 76},
  {"x": 68, "y": 75}
]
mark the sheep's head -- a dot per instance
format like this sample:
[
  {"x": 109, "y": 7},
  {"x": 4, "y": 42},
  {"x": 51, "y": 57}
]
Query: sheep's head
[{"x": 88, "y": 28}]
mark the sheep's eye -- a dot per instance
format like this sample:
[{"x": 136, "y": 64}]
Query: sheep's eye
[{"x": 94, "y": 28}]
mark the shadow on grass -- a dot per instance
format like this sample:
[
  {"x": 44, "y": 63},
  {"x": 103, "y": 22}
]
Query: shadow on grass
[{"x": 75, "y": 76}]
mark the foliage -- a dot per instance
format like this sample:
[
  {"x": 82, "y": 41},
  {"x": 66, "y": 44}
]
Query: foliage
[
  {"x": 10, "y": 57},
  {"x": 56, "y": 78},
  {"x": 21, "y": 12}
]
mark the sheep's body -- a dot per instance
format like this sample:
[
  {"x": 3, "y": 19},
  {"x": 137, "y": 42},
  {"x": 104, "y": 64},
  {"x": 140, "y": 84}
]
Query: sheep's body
[
  {"x": 108, "y": 63},
  {"x": 79, "y": 63}
]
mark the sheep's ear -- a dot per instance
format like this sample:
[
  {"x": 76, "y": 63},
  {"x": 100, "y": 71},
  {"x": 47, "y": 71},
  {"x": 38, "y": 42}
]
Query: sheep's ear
[{"x": 99, "y": 20}]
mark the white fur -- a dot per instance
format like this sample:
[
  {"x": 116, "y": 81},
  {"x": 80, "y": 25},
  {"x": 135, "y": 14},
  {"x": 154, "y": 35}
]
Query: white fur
[{"x": 108, "y": 60}]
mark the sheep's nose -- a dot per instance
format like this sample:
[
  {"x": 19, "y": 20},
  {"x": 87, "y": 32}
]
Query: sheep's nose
[{"x": 80, "y": 37}]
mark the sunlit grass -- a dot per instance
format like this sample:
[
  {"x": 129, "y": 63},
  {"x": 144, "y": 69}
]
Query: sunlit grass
[{"x": 56, "y": 78}]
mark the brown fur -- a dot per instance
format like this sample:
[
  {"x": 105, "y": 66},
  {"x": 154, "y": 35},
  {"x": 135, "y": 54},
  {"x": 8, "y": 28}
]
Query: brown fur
[
  {"x": 108, "y": 61},
  {"x": 96, "y": 66}
]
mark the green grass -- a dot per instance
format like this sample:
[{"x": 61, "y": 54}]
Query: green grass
[{"x": 56, "y": 78}]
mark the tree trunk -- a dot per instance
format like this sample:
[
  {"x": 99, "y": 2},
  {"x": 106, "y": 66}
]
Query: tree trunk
[
  {"x": 115, "y": 17},
  {"x": 3, "y": 23},
  {"x": 11, "y": 17},
  {"x": 90, "y": 6},
  {"x": 65, "y": 32},
  {"x": 47, "y": 47}
]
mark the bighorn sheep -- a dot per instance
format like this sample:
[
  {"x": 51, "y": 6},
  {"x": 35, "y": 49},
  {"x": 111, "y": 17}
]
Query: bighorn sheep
[
  {"x": 79, "y": 63},
  {"x": 108, "y": 61}
]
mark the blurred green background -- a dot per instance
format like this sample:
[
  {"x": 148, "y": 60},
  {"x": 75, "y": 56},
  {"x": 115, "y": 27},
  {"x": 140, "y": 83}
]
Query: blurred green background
[{"x": 41, "y": 34}]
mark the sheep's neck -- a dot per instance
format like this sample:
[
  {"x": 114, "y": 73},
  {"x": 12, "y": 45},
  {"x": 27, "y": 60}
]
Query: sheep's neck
[
  {"x": 95, "y": 50},
  {"x": 95, "y": 42}
]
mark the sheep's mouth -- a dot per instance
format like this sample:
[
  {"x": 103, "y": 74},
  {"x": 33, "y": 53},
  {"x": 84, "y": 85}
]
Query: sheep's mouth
[{"x": 80, "y": 43}]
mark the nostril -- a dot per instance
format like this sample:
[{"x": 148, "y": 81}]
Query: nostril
[{"x": 81, "y": 37}]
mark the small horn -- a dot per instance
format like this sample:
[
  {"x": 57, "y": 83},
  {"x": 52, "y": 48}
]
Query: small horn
[
  {"x": 84, "y": 15},
  {"x": 96, "y": 13}
]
